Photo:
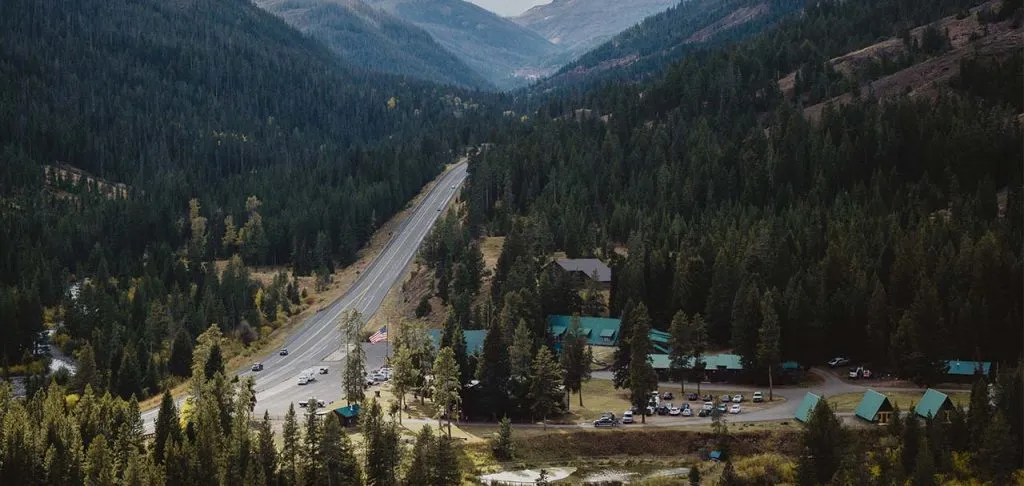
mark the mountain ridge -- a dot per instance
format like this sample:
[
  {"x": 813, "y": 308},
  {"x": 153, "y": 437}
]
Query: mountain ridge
[{"x": 580, "y": 25}]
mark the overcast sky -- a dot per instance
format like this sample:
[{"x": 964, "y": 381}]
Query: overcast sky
[{"x": 508, "y": 8}]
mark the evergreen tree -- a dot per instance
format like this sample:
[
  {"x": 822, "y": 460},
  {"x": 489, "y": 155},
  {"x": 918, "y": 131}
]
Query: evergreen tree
[
  {"x": 998, "y": 456},
  {"x": 447, "y": 384},
  {"x": 354, "y": 380},
  {"x": 337, "y": 454},
  {"x": 99, "y": 464},
  {"x": 620, "y": 361},
  {"x": 545, "y": 393},
  {"x": 698, "y": 345},
  {"x": 980, "y": 411},
  {"x": 129, "y": 379},
  {"x": 214, "y": 363},
  {"x": 642, "y": 378},
  {"x": 313, "y": 472},
  {"x": 680, "y": 347},
  {"x": 823, "y": 440},
  {"x": 728, "y": 477},
  {"x": 493, "y": 370},
  {"x": 87, "y": 373},
  {"x": 404, "y": 375},
  {"x": 383, "y": 453},
  {"x": 421, "y": 469},
  {"x": 924, "y": 472},
  {"x": 911, "y": 441},
  {"x": 446, "y": 463},
  {"x": 746, "y": 320},
  {"x": 769, "y": 338},
  {"x": 502, "y": 445},
  {"x": 180, "y": 362},
  {"x": 694, "y": 476},
  {"x": 166, "y": 427},
  {"x": 266, "y": 451},
  {"x": 521, "y": 356},
  {"x": 290, "y": 449},
  {"x": 575, "y": 358}
]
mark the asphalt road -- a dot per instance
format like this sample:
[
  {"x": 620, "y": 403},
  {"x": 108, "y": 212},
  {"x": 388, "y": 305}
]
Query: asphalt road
[{"x": 318, "y": 341}]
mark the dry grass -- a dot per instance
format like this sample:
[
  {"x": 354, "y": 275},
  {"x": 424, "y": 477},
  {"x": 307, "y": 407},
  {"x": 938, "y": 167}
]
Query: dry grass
[
  {"x": 491, "y": 247},
  {"x": 847, "y": 402},
  {"x": 599, "y": 396}
]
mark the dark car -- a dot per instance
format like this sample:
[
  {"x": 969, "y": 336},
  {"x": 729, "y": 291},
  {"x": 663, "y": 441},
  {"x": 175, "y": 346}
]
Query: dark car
[
  {"x": 703, "y": 413},
  {"x": 606, "y": 422},
  {"x": 283, "y": 352},
  {"x": 667, "y": 396},
  {"x": 257, "y": 366},
  {"x": 708, "y": 397},
  {"x": 661, "y": 410},
  {"x": 693, "y": 396}
]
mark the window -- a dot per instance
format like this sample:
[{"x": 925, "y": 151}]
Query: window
[{"x": 884, "y": 417}]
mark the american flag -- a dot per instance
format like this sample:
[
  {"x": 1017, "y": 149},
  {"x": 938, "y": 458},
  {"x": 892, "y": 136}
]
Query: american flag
[{"x": 381, "y": 335}]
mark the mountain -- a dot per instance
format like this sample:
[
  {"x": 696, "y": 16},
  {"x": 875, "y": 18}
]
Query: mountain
[
  {"x": 581, "y": 25},
  {"x": 373, "y": 39},
  {"x": 505, "y": 53},
  {"x": 659, "y": 40}
]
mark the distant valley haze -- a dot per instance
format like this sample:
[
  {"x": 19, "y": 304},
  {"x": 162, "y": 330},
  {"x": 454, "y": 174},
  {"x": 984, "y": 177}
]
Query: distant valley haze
[{"x": 509, "y": 8}]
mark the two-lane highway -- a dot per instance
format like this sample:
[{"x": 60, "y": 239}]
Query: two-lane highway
[{"x": 319, "y": 339}]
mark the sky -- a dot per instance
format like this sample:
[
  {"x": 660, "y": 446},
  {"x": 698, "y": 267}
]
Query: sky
[{"x": 508, "y": 8}]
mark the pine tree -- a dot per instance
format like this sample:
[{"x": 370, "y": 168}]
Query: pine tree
[
  {"x": 769, "y": 338},
  {"x": 980, "y": 411},
  {"x": 575, "y": 358},
  {"x": 166, "y": 427},
  {"x": 180, "y": 362},
  {"x": 728, "y": 477},
  {"x": 446, "y": 463},
  {"x": 545, "y": 395},
  {"x": 266, "y": 451},
  {"x": 746, "y": 320},
  {"x": 421, "y": 469},
  {"x": 620, "y": 362},
  {"x": 87, "y": 373},
  {"x": 383, "y": 453},
  {"x": 447, "y": 384},
  {"x": 694, "y": 476},
  {"x": 290, "y": 448},
  {"x": 823, "y": 437},
  {"x": 924, "y": 472},
  {"x": 493, "y": 371},
  {"x": 680, "y": 347},
  {"x": 313, "y": 472},
  {"x": 99, "y": 464},
  {"x": 911, "y": 439},
  {"x": 502, "y": 445},
  {"x": 998, "y": 455},
  {"x": 354, "y": 381},
  {"x": 337, "y": 454},
  {"x": 404, "y": 375},
  {"x": 642, "y": 378},
  {"x": 521, "y": 356},
  {"x": 698, "y": 346}
]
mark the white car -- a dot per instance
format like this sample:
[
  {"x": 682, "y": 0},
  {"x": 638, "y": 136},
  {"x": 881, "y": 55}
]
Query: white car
[
  {"x": 687, "y": 412},
  {"x": 709, "y": 406},
  {"x": 627, "y": 417},
  {"x": 303, "y": 379},
  {"x": 758, "y": 397},
  {"x": 674, "y": 411},
  {"x": 737, "y": 398},
  {"x": 735, "y": 408},
  {"x": 838, "y": 361}
]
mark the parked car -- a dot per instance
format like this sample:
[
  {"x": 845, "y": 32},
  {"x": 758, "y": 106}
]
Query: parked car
[
  {"x": 859, "y": 372},
  {"x": 662, "y": 410},
  {"x": 725, "y": 398},
  {"x": 703, "y": 413},
  {"x": 606, "y": 422},
  {"x": 737, "y": 398},
  {"x": 735, "y": 408},
  {"x": 708, "y": 397},
  {"x": 283, "y": 352},
  {"x": 323, "y": 370},
  {"x": 722, "y": 408},
  {"x": 865, "y": 373},
  {"x": 838, "y": 361},
  {"x": 687, "y": 412},
  {"x": 627, "y": 417},
  {"x": 758, "y": 397},
  {"x": 257, "y": 366},
  {"x": 674, "y": 411},
  {"x": 708, "y": 406},
  {"x": 649, "y": 411},
  {"x": 667, "y": 396},
  {"x": 693, "y": 396}
]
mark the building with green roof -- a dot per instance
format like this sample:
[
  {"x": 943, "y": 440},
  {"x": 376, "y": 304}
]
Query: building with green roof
[
  {"x": 934, "y": 404},
  {"x": 717, "y": 367},
  {"x": 959, "y": 368},
  {"x": 600, "y": 331},
  {"x": 474, "y": 339},
  {"x": 803, "y": 411},
  {"x": 874, "y": 408},
  {"x": 659, "y": 339},
  {"x": 348, "y": 414}
]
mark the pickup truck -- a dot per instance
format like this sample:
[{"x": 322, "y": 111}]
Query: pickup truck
[{"x": 312, "y": 402}]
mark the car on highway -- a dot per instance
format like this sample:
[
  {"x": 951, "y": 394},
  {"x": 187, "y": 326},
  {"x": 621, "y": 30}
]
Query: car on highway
[
  {"x": 735, "y": 408},
  {"x": 693, "y": 397},
  {"x": 737, "y": 398},
  {"x": 758, "y": 397},
  {"x": 283, "y": 352},
  {"x": 257, "y": 366},
  {"x": 323, "y": 370},
  {"x": 606, "y": 422},
  {"x": 838, "y": 361},
  {"x": 627, "y": 417},
  {"x": 674, "y": 411},
  {"x": 303, "y": 379}
]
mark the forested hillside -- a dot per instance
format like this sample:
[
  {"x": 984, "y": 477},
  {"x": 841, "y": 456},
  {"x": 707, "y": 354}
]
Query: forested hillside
[
  {"x": 662, "y": 39},
  {"x": 880, "y": 231},
  {"x": 504, "y": 53},
  {"x": 233, "y": 133},
  {"x": 581, "y": 25},
  {"x": 375, "y": 40}
]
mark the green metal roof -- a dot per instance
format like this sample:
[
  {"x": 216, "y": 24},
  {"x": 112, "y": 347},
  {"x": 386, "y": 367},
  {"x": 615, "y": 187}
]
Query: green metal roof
[
  {"x": 968, "y": 368},
  {"x": 659, "y": 336},
  {"x": 932, "y": 403},
  {"x": 790, "y": 365},
  {"x": 660, "y": 361},
  {"x": 474, "y": 339},
  {"x": 596, "y": 329},
  {"x": 872, "y": 403},
  {"x": 803, "y": 412},
  {"x": 348, "y": 411}
]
